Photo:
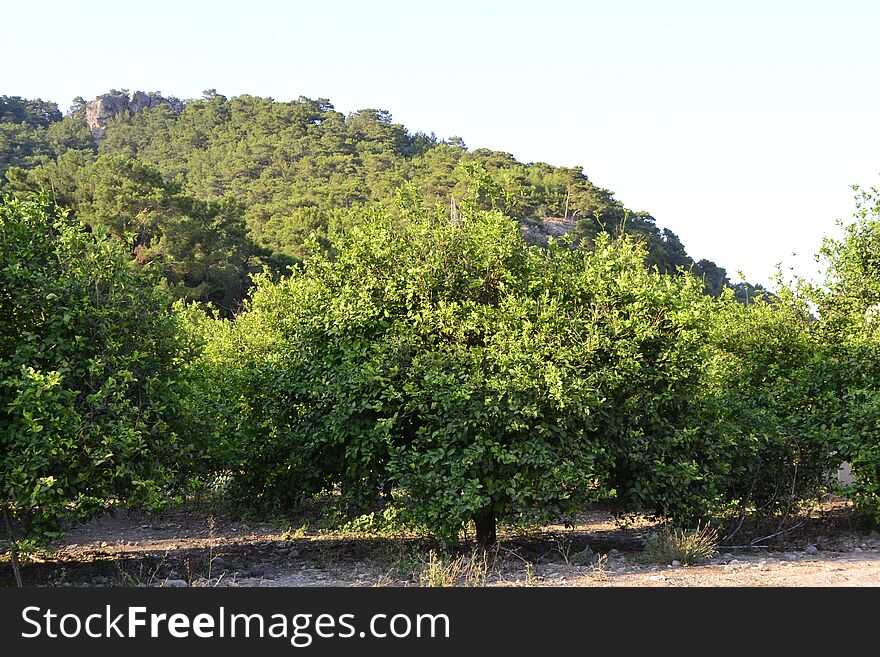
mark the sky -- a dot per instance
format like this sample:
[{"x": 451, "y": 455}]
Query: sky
[{"x": 739, "y": 126}]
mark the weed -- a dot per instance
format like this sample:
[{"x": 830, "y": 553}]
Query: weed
[
  {"x": 476, "y": 568},
  {"x": 564, "y": 546},
  {"x": 463, "y": 570},
  {"x": 386, "y": 523},
  {"x": 290, "y": 533},
  {"x": 599, "y": 568},
  {"x": 143, "y": 577},
  {"x": 687, "y": 546},
  {"x": 438, "y": 572},
  {"x": 59, "y": 578},
  {"x": 408, "y": 566},
  {"x": 585, "y": 557}
]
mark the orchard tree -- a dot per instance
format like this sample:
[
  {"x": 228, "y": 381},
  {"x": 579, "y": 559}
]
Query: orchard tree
[
  {"x": 848, "y": 307},
  {"x": 88, "y": 373},
  {"x": 484, "y": 379},
  {"x": 769, "y": 406}
]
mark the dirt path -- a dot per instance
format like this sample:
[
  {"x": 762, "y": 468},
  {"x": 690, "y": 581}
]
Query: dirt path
[
  {"x": 781, "y": 569},
  {"x": 190, "y": 548}
]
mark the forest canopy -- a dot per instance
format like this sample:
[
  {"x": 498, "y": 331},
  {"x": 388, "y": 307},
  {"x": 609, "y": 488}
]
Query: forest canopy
[{"x": 215, "y": 189}]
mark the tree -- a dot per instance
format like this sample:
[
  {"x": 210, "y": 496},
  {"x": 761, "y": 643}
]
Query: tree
[
  {"x": 35, "y": 113},
  {"x": 24, "y": 125},
  {"x": 768, "y": 405},
  {"x": 487, "y": 380},
  {"x": 847, "y": 307},
  {"x": 301, "y": 163},
  {"x": 201, "y": 248},
  {"x": 88, "y": 373}
]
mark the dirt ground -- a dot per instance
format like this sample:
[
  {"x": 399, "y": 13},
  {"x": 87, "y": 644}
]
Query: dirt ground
[{"x": 193, "y": 548}]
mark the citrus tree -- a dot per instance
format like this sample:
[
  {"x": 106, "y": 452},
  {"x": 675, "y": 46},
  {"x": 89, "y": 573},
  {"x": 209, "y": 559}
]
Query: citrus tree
[
  {"x": 89, "y": 356},
  {"x": 480, "y": 378},
  {"x": 769, "y": 404},
  {"x": 848, "y": 307}
]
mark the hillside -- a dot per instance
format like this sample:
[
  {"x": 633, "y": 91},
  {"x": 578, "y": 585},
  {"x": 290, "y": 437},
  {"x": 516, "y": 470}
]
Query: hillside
[{"x": 216, "y": 188}]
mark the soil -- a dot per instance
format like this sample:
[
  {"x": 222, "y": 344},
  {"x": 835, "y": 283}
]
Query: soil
[{"x": 193, "y": 548}]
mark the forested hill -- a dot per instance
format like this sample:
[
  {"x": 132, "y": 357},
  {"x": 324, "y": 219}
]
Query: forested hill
[{"x": 216, "y": 188}]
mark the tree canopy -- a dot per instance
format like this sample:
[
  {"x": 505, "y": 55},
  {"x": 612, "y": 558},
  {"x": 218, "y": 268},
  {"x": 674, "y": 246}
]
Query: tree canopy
[
  {"x": 291, "y": 169},
  {"x": 88, "y": 372}
]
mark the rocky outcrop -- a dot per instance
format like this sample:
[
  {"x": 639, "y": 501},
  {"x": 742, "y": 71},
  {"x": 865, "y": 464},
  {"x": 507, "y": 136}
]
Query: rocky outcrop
[
  {"x": 537, "y": 231},
  {"x": 102, "y": 110}
]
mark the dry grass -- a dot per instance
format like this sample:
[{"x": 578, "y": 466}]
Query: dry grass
[
  {"x": 463, "y": 570},
  {"x": 687, "y": 546}
]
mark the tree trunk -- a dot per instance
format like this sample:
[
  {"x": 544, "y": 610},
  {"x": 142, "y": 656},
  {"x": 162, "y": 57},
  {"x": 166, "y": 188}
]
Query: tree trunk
[
  {"x": 486, "y": 532},
  {"x": 16, "y": 570}
]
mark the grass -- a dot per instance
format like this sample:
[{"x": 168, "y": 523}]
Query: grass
[
  {"x": 687, "y": 546},
  {"x": 463, "y": 570}
]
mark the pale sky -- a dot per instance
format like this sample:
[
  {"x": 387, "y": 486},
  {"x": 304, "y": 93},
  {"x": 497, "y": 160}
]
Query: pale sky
[{"x": 739, "y": 126}]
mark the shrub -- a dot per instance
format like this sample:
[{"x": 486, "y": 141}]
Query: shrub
[
  {"x": 849, "y": 334},
  {"x": 88, "y": 373},
  {"x": 687, "y": 546},
  {"x": 766, "y": 407},
  {"x": 486, "y": 379}
]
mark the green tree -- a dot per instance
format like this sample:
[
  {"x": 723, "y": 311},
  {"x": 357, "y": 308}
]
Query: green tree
[
  {"x": 24, "y": 126},
  {"x": 486, "y": 379},
  {"x": 202, "y": 248},
  {"x": 296, "y": 166},
  {"x": 768, "y": 405},
  {"x": 88, "y": 373},
  {"x": 847, "y": 306}
]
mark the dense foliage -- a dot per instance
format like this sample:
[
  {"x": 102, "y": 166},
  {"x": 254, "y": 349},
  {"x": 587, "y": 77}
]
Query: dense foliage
[
  {"x": 485, "y": 378},
  {"x": 88, "y": 372},
  {"x": 766, "y": 403},
  {"x": 849, "y": 307},
  {"x": 284, "y": 170},
  {"x": 389, "y": 317}
]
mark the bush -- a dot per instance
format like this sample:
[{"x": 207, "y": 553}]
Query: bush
[
  {"x": 849, "y": 334},
  {"x": 767, "y": 405},
  {"x": 483, "y": 379},
  {"x": 88, "y": 373},
  {"x": 687, "y": 546}
]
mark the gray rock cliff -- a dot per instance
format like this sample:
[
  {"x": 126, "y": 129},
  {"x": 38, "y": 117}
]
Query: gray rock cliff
[{"x": 104, "y": 108}]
